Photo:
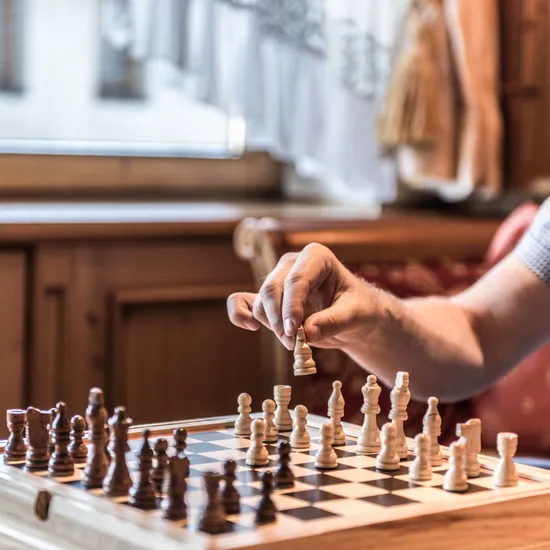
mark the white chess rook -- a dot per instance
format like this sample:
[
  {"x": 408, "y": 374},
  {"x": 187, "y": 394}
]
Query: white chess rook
[
  {"x": 283, "y": 420},
  {"x": 257, "y": 454},
  {"x": 506, "y": 474},
  {"x": 271, "y": 432},
  {"x": 400, "y": 397},
  {"x": 299, "y": 438},
  {"x": 368, "y": 441},
  {"x": 303, "y": 356},
  {"x": 336, "y": 406},
  {"x": 432, "y": 428},
  {"x": 243, "y": 422},
  {"x": 388, "y": 459},
  {"x": 455, "y": 480},
  {"x": 421, "y": 469},
  {"x": 326, "y": 458}
]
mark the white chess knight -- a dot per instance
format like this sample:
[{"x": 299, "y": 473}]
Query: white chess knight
[
  {"x": 244, "y": 420},
  {"x": 303, "y": 356},
  {"x": 326, "y": 456},
  {"x": 400, "y": 397},
  {"x": 455, "y": 479},
  {"x": 388, "y": 459},
  {"x": 421, "y": 469},
  {"x": 271, "y": 432},
  {"x": 505, "y": 474},
  {"x": 369, "y": 439},
  {"x": 469, "y": 434},
  {"x": 257, "y": 454},
  {"x": 283, "y": 420},
  {"x": 432, "y": 428},
  {"x": 336, "y": 406},
  {"x": 299, "y": 438}
]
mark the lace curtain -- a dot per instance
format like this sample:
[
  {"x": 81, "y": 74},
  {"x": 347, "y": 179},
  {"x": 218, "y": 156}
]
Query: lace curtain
[{"x": 305, "y": 77}]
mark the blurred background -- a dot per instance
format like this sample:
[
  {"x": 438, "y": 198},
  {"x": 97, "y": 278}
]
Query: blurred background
[{"x": 158, "y": 155}]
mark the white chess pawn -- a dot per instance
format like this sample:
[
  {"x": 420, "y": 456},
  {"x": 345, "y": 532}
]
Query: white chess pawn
[
  {"x": 303, "y": 357},
  {"x": 326, "y": 456},
  {"x": 421, "y": 469},
  {"x": 299, "y": 438},
  {"x": 388, "y": 459},
  {"x": 455, "y": 479},
  {"x": 257, "y": 454},
  {"x": 469, "y": 434},
  {"x": 400, "y": 397},
  {"x": 243, "y": 422},
  {"x": 283, "y": 420},
  {"x": 271, "y": 432},
  {"x": 506, "y": 474},
  {"x": 336, "y": 406},
  {"x": 432, "y": 428},
  {"x": 369, "y": 438}
]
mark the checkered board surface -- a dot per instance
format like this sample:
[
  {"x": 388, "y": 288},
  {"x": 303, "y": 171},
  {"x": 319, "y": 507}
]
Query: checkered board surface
[{"x": 354, "y": 490}]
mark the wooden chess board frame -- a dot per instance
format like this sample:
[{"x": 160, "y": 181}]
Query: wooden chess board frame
[{"x": 42, "y": 513}]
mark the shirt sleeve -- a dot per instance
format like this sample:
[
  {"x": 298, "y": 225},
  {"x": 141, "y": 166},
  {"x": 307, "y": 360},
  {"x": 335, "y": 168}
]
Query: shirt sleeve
[{"x": 534, "y": 247}]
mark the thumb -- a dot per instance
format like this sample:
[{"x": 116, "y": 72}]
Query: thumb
[{"x": 331, "y": 321}]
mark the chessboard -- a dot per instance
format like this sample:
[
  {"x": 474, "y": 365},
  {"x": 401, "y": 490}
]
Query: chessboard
[{"x": 348, "y": 507}]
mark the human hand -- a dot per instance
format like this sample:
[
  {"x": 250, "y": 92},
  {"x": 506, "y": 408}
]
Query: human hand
[{"x": 310, "y": 288}]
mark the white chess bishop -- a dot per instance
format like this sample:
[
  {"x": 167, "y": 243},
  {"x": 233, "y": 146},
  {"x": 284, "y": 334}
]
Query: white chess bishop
[
  {"x": 336, "y": 406},
  {"x": 432, "y": 428}
]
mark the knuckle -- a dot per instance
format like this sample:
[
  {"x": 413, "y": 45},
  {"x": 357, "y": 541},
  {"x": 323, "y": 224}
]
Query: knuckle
[
  {"x": 269, "y": 289},
  {"x": 316, "y": 248},
  {"x": 288, "y": 258},
  {"x": 294, "y": 278}
]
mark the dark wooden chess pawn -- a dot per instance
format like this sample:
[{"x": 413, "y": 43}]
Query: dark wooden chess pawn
[
  {"x": 117, "y": 482},
  {"x": 78, "y": 449},
  {"x": 142, "y": 494},
  {"x": 266, "y": 511},
  {"x": 38, "y": 439},
  {"x": 231, "y": 499},
  {"x": 180, "y": 444},
  {"x": 174, "y": 506},
  {"x": 96, "y": 417},
  {"x": 61, "y": 462},
  {"x": 284, "y": 476},
  {"x": 158, "y": 472},
  {"x": 16, "y": 448},
  {"x": 53, "y": 414},
  {"x": 212, "y": 519}
]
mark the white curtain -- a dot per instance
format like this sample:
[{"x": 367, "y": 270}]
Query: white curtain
[{"x": 304, "y": 76}]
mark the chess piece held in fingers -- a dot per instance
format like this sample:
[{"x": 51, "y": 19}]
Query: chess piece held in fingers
[{"x": 303, "y": 356}]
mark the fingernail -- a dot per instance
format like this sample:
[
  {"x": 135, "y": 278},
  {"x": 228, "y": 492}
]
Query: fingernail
[{"x": 290, "y": 329}]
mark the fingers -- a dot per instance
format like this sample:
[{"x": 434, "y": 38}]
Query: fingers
[
  {"x": 239, "y": 308},
  {"x": 310, "y": 270},
  {"x": 328, "y": 323}
]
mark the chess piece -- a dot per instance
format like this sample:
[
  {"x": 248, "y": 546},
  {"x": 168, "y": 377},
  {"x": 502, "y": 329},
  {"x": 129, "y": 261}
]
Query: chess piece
[
  {"x": 388, "y": 459},
  {"x": 284, "y": 476},
  {"x": 400, "y": 397},
  {"x": 109, "y": 443},
  {"x": 97, "y": 464},
  {"x": 180, "y": 444},
  {"x": 157, "y": 473},
  {"x": 505, "y": 474},
  {"x": 257, "y": 454},
  {"x": 16, "y": 448},
  {"x": 336, "y": 406},
  {"x": 271, "y": 432},
  {"x": 326, "y": 458},
  {"x": 283, "y": 420},
  {"x": 212, "y": 519},
  {"x": 117, "y": 482},
  {"x": 303, "y": 357},
  {"x": 142, "y": 494},
  {"x": 38, "y": 439},
  {"x": 432, "y": 428},
  {"x": 51, "y": 444},
  {"x": 455, "y": 479},
  {"x": 299, "y": 438},
  {"x": 61, "y": 463},
  {"x": 421, "y": 469},
  {"x": 174, "y": 507},
  {"x": 266, "y": 511},
  {"x": 231, "y": 499},
  {"x": 78, "y": 449},
  {"x": 369, "y": 438},
  {"x": 243, "y": 422},
  {"x": 469, "y": 434}
]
